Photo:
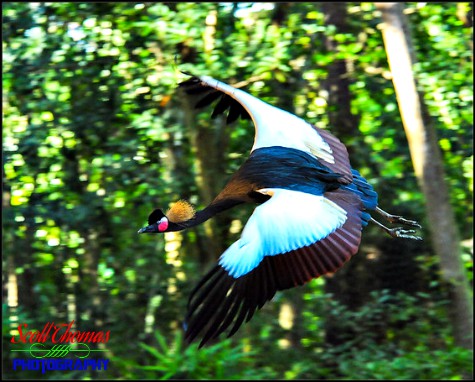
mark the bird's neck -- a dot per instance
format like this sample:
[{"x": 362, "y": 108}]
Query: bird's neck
[{"x": 215, "y": 207}]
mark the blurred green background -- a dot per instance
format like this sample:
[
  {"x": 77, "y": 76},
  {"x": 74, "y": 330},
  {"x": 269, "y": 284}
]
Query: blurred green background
[{"x": 95, "y": 137}]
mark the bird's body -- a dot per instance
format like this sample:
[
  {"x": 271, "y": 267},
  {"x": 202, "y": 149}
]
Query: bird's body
[
  {"x": 274, "y": 167},
  {"x": 312, "y": 207}
]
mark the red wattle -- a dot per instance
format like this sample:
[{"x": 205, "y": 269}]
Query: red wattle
[{"x": 162, "y": 226}]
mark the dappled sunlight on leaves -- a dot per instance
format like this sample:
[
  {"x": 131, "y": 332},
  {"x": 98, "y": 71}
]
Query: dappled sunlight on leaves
[{"x": 95, "y": 136}]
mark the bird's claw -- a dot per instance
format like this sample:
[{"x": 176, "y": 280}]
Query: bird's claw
[{"x": 400, "y": 233}]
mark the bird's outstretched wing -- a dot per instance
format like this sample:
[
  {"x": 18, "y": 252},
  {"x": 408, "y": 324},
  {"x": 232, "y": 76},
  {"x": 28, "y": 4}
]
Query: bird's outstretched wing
[
  {"x": 289, "y": 240},
  {"x": 273, "y": 126}
]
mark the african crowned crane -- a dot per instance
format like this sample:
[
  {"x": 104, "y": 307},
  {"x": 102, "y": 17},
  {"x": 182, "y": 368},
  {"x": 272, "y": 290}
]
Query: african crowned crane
[{"x": 312, "y": 208}]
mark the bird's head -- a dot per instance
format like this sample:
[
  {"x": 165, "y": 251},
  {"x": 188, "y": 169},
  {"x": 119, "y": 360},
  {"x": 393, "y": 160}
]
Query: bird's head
[{"x": 174, "y": 220}]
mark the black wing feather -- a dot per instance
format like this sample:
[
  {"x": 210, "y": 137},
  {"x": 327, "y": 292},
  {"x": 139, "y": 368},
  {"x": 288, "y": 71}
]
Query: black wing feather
[{"x": 195, "y": 87}]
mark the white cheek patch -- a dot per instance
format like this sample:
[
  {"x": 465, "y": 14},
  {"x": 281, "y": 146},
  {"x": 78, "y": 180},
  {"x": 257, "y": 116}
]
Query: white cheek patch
[{"x": 287, "y": 221}]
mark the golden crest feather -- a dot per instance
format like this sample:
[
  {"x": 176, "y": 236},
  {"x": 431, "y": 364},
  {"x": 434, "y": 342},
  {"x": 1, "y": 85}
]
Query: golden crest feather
[{"x": 180, "y": 211}]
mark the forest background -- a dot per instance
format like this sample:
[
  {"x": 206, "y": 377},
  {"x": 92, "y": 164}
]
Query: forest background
[{"x": 95, "y": 137}]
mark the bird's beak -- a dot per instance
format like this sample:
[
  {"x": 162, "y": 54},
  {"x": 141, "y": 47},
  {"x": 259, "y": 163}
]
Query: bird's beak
[{"x": 147, "y": 229}]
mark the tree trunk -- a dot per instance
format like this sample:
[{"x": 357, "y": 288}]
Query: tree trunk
[
  {"x": 210, "y": 141},
  {"x": 428, "y": 166},
  {"x": 210, "y": 148},
  {"x": 349, "y": 284},
  {"x": 342, "y": 121}
]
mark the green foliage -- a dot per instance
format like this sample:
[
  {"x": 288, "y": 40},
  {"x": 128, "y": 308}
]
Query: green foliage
[
  {"x": 176, "y": 360},
  {"x": 453, "y": 363},
  {"x": 395, "y": 337},
  {"x": 95, "y": 137}
]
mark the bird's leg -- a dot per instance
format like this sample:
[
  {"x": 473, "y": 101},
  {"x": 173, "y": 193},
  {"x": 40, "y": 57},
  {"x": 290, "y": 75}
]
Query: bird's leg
[
  {"x": 398, "y": 232},
  {"x": 397, "y": 219}
]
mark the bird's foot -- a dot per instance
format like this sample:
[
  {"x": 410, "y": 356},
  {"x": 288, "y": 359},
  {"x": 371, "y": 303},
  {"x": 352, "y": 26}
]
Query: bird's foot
[
  {"x": 398, "y": 232},
  {"x": 401, "y": 233}
]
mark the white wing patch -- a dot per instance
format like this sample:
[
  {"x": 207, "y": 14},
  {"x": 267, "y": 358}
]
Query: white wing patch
[
  {"x": 288, "y": 220},
  {"x": 276, "y": 127}
]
